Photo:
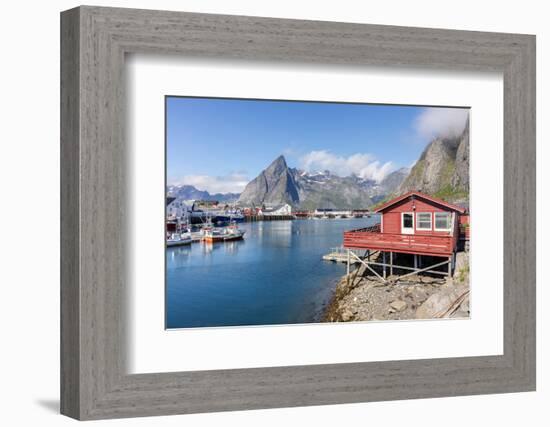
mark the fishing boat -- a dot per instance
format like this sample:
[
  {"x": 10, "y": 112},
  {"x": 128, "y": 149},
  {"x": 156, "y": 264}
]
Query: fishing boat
[
  {"x": 222, "y": 234},
  {"x": 227, "y": 218},
  {"x": 213, "y": 234},
  {"x": 236, "y": 217},
  {"x": 221, "y": 219},
  {"x": 176, "y": 239},
  {"x": 233, "y": 233}
]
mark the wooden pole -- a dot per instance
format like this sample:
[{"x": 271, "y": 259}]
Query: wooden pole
[
  {"x": 384, "y": 261},
  {"x": 391, "y": 263},
  {"x": 348, "y": 263},
  {"x": 450, "y": 267},
  {"x": 366, "y": 264},
  {"x": 415, "y": 261}
]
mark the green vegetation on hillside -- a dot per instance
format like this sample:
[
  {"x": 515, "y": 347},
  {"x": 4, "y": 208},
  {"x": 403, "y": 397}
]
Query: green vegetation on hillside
[
  {"x": 451, "y": 194},
  {"x": 447, "y": 173},
  {"x": 416, "y": 172}
]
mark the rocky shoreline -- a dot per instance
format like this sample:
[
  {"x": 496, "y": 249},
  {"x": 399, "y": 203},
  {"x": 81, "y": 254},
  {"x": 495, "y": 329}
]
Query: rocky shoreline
[{"x": 365, "y": 298}]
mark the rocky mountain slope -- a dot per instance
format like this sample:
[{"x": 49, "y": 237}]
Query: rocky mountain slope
[
  {"x": 442, "y": 169},
  {"x": 274, "y": 185},
  {"x": 389, "y": 185},
  {"x": 279, "y": 184},
  {"x": 189, "y": 192},
  {"x": 325, "y": 190}
]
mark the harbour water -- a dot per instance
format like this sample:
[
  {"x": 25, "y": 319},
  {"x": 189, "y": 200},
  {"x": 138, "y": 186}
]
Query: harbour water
[{"x": 274, "y": 276}]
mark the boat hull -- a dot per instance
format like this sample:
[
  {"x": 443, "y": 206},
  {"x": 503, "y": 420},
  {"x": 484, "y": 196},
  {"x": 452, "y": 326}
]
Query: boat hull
[
  {"x": 230, "y": 238},
  {"x": 172, "y": 243},
  {"x": 213, "y": 239}
]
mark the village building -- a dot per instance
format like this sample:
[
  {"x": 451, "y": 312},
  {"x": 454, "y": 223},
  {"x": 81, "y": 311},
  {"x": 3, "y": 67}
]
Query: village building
[
  {"x": 425, "y": 227},
  {"x": 284, "y": 209},
  {"x": 178, "y": 208},
  {"x": 178, "y": 212}
]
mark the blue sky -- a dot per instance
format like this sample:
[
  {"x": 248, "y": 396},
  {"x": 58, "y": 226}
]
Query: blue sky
[{"x": 219, "y": 145}]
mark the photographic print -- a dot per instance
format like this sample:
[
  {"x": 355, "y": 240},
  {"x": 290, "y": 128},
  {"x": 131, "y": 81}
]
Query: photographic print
[{"x": 294, "y": 212}]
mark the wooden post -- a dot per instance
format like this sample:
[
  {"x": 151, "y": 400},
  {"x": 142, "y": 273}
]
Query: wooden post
[
  {"x": 348, "y": 263},
  {"x": 366, "y": 264},
  {"x": 450, "y": 266},
  {"x": 384, "y": 262},
  {"x": 415, "y": 261},
  {"x": 391, "y": 263}
]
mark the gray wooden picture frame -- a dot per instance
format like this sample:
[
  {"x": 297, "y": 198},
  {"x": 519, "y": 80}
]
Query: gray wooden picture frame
[{"x": 94, "y": 381}]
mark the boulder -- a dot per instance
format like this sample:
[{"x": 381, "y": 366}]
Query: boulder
[
  {"x": 398, "y": 305},
  {"x": 347, "y": 315},
  {"x": 440, "y": 302}
]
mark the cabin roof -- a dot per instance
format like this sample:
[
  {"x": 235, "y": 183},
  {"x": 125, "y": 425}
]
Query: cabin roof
[{"x": 423, "y": 196}]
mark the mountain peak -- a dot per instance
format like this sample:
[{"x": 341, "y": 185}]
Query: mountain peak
[
  {"x": 274, "y": 185},
  {"x": 277, "y": 166},
  {"x": 279, "y": 161}
]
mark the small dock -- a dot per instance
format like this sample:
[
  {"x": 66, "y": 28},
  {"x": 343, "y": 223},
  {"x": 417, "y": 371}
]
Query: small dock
[{"x": 339, "y": 255}]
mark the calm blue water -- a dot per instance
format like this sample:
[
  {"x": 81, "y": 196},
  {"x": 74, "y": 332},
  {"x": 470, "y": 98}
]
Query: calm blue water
[{"x": 274, "y": 276}]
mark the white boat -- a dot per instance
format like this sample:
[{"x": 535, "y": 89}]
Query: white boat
[
  {"x": 222, "y": 234},
  {"x": 213, "y": 234},
  {"x": 176, "y": 239},
  {"x": 233, "y": 232}
]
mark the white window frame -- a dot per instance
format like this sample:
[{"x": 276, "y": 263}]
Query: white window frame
[
  {"x": 418, "y": 221},
  {"x": 450, "y": 221}
]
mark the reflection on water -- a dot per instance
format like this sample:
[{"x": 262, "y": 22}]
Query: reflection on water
[
  {"x": 228, "y": 248},
  {"x": 274, "y": 276},
  {"x": 177, "y": 256}
]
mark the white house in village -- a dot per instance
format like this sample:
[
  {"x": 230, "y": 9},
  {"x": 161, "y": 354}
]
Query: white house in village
[
  {"x": 285, "y": 209},
  {"x": 333, "y": 212},
  {"x": 179, "y": 209}
]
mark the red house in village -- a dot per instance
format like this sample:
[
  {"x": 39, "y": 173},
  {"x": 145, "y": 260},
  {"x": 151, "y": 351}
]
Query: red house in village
[{"x": 413, "y": 223}]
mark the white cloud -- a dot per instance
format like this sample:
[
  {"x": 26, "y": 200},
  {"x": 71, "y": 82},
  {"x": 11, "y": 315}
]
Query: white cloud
[
  {"x": 363, "y": 165},
  {"x": 441, "y": 122},
  {"x": 289, "y": 151},
  {"x": 232, "y": 183}
]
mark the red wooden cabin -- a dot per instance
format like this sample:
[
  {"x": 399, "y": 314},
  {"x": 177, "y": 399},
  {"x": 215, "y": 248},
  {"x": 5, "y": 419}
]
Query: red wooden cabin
[{"x": 413, "y": 223}]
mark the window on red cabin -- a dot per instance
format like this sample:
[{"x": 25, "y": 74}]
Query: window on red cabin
[
  {"x": 442, "y": 221},
  {"x": 423, "y": 221}
]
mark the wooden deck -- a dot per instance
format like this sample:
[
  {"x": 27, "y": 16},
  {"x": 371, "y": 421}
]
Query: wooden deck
[
  {"x": 340, "y": 255},
  {"x": 371, "y": 238}
]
